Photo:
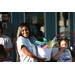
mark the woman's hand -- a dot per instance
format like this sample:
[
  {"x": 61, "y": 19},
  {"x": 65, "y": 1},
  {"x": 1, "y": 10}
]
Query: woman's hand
[
  {"x": 26, "y": 52},
  {"x": 43, "y": 59}
]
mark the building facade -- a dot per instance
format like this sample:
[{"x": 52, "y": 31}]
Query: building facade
[{"x": 52, "y": 23}]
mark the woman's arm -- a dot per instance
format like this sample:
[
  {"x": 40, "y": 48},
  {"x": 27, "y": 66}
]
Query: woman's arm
[{"x": 26, "y": 52}]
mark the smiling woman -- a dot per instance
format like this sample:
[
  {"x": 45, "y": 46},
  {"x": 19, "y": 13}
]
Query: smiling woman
[
  {"x": 24, "y": 29},
  {"x": 25, "y": 32},
  {"x": 25, "y": 48}
]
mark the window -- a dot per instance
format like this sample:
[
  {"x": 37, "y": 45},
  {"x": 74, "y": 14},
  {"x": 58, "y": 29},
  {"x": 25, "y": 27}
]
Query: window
[
  {"x": 34, "y": 18},
  {"x": 62, "y": 22}
]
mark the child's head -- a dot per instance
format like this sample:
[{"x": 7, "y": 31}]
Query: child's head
[{"x": 63, "y": 43}]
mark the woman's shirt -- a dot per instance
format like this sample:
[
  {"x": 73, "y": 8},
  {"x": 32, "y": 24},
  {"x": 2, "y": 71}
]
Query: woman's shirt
[
  {"x": 65, "y": 56},
  {"x": 31, "y": 48}
]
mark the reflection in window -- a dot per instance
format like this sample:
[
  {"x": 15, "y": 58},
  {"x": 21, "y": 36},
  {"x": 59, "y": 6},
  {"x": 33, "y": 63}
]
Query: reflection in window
[
  {"x": 62, "y": 22},
  {"x": 34, "y": 19}
]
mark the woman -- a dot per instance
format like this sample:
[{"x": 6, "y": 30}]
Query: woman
[{"x": 26, "y": 49}]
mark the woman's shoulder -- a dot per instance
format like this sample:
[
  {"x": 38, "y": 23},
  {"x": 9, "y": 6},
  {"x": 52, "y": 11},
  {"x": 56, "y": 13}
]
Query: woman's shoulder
[{"x": 22, "y": 38}]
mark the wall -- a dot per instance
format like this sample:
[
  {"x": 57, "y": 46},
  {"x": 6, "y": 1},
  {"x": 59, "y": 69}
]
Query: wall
[
  {"x": 74, "y": 21},
  {"x": 50, "y": 25},
  {"x": 71, "y": 24},
  {"x": 17, "y": 18}
]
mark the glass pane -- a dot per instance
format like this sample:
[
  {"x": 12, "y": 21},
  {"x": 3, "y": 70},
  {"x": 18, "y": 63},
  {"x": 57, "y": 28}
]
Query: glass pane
[
  {"x": 35, "y": 19},
  {"x": 62, "y": 22}
]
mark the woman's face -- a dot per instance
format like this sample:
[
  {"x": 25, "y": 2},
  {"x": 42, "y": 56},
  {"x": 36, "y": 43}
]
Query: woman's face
[
  {"x": 25, "y": 32},
  {"x": 63, "y": 44}
]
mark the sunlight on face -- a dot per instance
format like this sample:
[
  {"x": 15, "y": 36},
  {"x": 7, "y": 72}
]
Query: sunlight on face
[
  {"x": 25, "y": 32},
  {"x": 63, "y": 44}
]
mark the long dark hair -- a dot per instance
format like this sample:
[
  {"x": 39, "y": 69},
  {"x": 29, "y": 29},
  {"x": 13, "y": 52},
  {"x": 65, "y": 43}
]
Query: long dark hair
[{"x": 20, "y": 29}]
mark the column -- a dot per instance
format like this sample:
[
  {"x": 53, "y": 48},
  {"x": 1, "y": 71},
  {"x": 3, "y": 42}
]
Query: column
[
  {"x": 50, "y": 25},
  {"x": 16, "y": 19}
]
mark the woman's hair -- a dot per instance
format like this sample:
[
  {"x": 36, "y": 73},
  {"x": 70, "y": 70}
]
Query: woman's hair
[
  {"x": 1, "y": 27},
  {"x": 62, "y": 40},
  {"x": 19, "y": 32}
]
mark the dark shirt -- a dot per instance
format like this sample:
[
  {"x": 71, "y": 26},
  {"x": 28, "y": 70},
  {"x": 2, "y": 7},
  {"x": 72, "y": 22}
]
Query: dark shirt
[{"x": 9, "y": 30}]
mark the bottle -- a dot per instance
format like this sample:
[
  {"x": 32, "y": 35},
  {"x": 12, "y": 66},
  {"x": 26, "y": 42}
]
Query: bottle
[{"x": 66, "y": 49}]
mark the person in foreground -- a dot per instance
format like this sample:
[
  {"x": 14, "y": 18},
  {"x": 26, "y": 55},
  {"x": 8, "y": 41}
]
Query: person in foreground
[
  {"x": 26, "y": 49},
  {"x": 64, "y": 54},
  {"x": 3, "y": 54},
  {"x": 6, "y": 42}
]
